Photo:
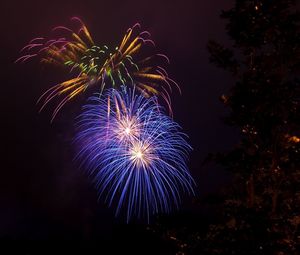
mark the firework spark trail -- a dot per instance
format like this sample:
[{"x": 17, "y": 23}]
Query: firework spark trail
[
  {"x": 134, "y": 152},
  {"x": 137, "y": 156},
  {"x": 93, "y": 65}
]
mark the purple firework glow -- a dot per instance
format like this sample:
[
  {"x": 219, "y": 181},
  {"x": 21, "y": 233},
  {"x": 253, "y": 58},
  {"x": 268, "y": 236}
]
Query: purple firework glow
[{"x": 135, "y": 153}]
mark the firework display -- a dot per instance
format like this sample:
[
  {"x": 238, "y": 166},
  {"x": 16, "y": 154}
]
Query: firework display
[
  {"x": 136, "y": 154},
  {"x": 133, "y": 151},
  {"x": 94, "y": 65}
]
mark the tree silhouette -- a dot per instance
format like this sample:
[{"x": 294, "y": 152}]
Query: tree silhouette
[{"x": 261, "y": 211}]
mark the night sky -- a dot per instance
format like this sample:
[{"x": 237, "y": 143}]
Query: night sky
[{"x": 44, "y": 196}]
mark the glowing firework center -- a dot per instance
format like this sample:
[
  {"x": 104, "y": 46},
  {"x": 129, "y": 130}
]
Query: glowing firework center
[
  {"x": 140, "y": 155},
  {"x": 128, "y": 129}
]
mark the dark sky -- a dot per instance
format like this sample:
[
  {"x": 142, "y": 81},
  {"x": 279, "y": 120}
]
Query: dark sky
[{"x": 43, "y": 194}]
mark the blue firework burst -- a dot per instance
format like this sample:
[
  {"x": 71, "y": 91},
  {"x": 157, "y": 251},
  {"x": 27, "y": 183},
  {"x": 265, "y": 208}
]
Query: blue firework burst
[{"x": 134, "y": 152}]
